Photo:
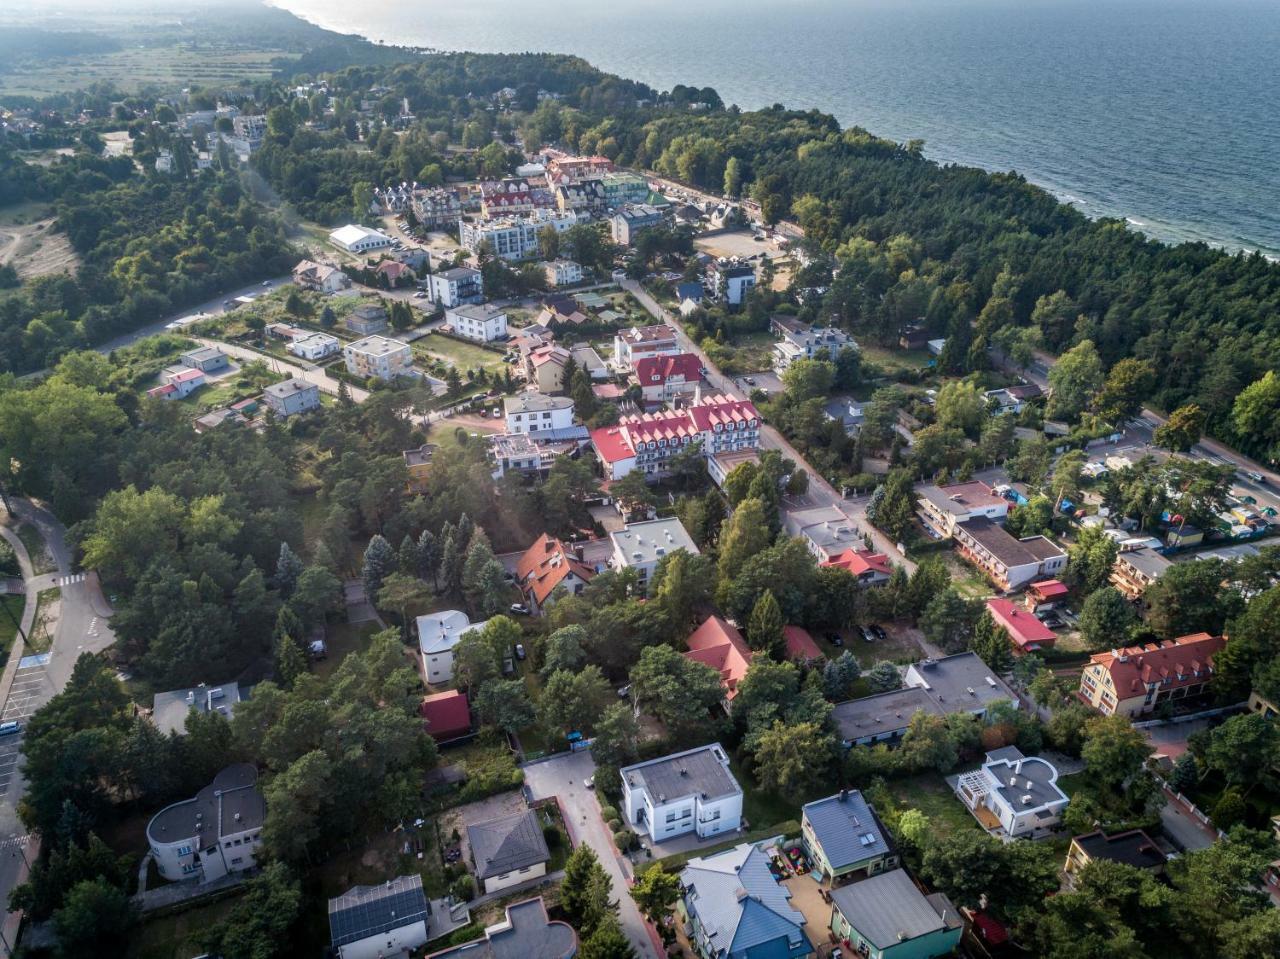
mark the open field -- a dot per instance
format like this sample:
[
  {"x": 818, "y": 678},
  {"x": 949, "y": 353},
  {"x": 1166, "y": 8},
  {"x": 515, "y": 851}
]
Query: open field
[
  {"x": 464, "y": 356},
  {"x": 133, "y": 68},
  {"x": 30, "y": 245}
]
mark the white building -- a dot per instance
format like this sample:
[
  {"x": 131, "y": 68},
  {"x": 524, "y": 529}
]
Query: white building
[
  {"x": 481, "y": 322},
  {"x": 378, "y": 356},
  {"x": 292, "y": 396},
  {"x": 455, "y": 287},
  {"x": 315, "y": 346},
  {"x": 807, "y": 343},
  {"x": 515, "y": 237},
  {"x": 692, "y": 791},
  {"x": 533, "y": 412},
  {"x": 826, "y": 531},
  {"x": 389, "y": 919},
  {"x": 516, "y": 452},
  {"x": 359, "y": 239},
  {"x": 320, "y": 277},
  {"x": 627, "y": 223},
  {"x": 216, "y": 833},
  {"x": 731, "y": 282},
  {"x": 438, "y": 634},
  {"x": 1020, "y": 791},
  {"x": 637, "y": 342},
  {"x": 562, "y": 272},
  {"x": 641, "y": 546},
  {"x": 509, "y": 850}
]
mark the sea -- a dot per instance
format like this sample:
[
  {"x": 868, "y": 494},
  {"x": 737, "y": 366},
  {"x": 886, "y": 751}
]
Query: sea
[{"x": 1165, "y": 113}]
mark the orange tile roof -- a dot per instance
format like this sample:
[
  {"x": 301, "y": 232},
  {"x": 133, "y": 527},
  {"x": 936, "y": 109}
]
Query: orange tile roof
[
  {"x": 717, "y": 644},
  {"x": 545, "y": 565},
  {"x": 1178, "y": 661},
  {"x": 800, "y": 644},
  {"x": 1023, "y": 628},
  {"x": 859, "y": 562}
]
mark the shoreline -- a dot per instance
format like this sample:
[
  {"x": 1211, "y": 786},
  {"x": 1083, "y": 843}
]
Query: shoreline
[{"x": 1151, "y": 226}]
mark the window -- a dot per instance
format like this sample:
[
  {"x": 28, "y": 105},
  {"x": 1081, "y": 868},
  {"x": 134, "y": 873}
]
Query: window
[
  {"x": 184, "y": 850},
  {"x": 671, "y": 817}
]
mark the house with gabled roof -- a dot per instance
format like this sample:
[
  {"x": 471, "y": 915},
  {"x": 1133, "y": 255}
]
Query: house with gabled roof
[
  {"x": 1135, "y": 680},
  {"x": 888, "y": 917},
  {"x": 663, "y": 377},
  {"x": 1025, "y": 631},
  {"x": 736, "y": 909},
  {"x": 390, "y": 918},
  {"x": 868, "y": 567},
  {"x": 546, "y": 566},
  {"x": 718, "y": 644},
  {"x": 842, "y": 835}
]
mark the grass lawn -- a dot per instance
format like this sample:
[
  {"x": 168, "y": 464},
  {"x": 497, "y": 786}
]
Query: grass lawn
[
  {"x": 179, "y": 935},
  {"x": 970, "y": 583},
  {"x": 342, "y": 639},
  {"x": 41, "y": 561},
  {"x": 13, "y": 605},
  {"x": 465, "y": 356},
  {"x": 39, "y": 639},
  {"x": 932, "y": 796},
  {"x": 761, "y": 809},
  {"x": 895, "y": 359},
  {"x": 1071, "y": 784}
]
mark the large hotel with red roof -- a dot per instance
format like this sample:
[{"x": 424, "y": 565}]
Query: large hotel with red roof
[{"x": 645, "y": 441}]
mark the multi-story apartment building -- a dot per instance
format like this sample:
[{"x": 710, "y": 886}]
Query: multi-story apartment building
[
  {"x": 809, "y": 342},
  {"x": 637, "y": 342},
  {"x": 436, "y": 208},
  {"x": 1007, "y": 562},
  {"x": 646, "y": 441},
  {"x": 641, "y": 546},
  {"x": 622, "y": 187},
  {"x": 455, "y": 287},
  {"x": 662, "y": 378},
  {"x": 1135, "y": 680},
  {"x": 562, "y": 272},
  {"x": 1134, "y": 570},
  {"x": 534, "y": 413},
  {"x": 942, "y": 508},
  {"x": 482, "y": 322},
  {"x": 292, "y": 396},
  {"x": 730, "y": 281},
  {"x": 378, "y": 356},
  {"x": 216, "y": 833},
  {"x": 627, "y": 223},
  {"x": 512, "y": 238},
  {"x": 692, "y": 791},
  {"x": 513, "y": 197}
]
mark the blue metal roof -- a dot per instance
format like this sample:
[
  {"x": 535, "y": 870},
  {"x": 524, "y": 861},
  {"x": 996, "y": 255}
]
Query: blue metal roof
[{"x": 846, "y": 829}]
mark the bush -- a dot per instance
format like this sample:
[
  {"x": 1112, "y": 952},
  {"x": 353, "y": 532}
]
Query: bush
[
  {"x": 1229, "y": 810},
  {"x": 614, "y": 824},
  {"x": 623, "y": 839},
  {"x": 463, "y": 888},
  {"x": 9, "y": 561},
  {"x": 553, "y": 836},
  {"x": 609, "y": 813}
]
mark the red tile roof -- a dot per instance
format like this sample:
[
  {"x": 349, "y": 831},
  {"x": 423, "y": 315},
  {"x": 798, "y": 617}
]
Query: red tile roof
[
  {"x": 723, "y": 409},
  {"x": 617, "y": 442},
  {"x": 860, "y": 562},
  {"x": 717, "y": 644},
  {"x": 545, "y": 565},
  {"x": 447, "y": 714},
  {"x": 800, "y": 644},
  {"x": 1023, "y": 628},
  {"x": 549, "y": 354},
  {"x": 652, "y": 370},
  {"x": 1135, "y": 667},
  {"x": 611, "y": 444},
  {"x": 1048, "y": 588}
]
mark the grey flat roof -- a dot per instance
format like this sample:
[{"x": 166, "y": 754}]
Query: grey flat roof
[
  {"x": 478, "y": 311},
  {"x": 458, "y": 273},
  {"x": 960, "y": 498},
  {"x": 847, "y": 829},
  {"x": 377, "y": 345},
  {"x": 364, "y": 911},
  {"x": 1146, "y": 561},
  {"x": 211, "y": 814},
  {"x": 1134, "y": 848},
  {"x": 527, "y": 933},
  {"x": 882, "y": 713},
  {"x": 695, "y": 771},
  {"x": 291, "y": 387},
  {"x": 507, "y": 843},
  {"x": 169, "y": 710},
  {"x": 1029, "y": 775},
  {"x": 1003, "y": 546},
  {"x": 531, "y": 401},
  {"x": 203, "y": 353},
  {"x": 888, "y": 909},
  {"x": 950, "y": 678},
  {"x": 649, "y": 541}
]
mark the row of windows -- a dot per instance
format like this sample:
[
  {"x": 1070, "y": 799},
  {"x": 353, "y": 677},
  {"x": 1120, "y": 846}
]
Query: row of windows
[{"x": 683, "y": 814}]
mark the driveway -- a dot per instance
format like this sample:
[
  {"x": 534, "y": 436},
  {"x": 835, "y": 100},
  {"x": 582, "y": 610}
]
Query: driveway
[
  {"x": 1184, "y": 828},
  {"x": 562, "y": 776}
]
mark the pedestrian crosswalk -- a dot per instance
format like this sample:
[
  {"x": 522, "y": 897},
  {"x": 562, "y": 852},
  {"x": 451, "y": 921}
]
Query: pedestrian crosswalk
[{"x": 68, "y": 580}]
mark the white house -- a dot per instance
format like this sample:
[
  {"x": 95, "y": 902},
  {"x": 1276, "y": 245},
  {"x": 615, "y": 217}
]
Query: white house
[
  {"x": 320, "y": 277},
  {"x": 943, "y": 508},
  {"x": 808, "y": 342},
  {"x": 481, "y": 322},
  {"x": 637, "y": 342},
  {"x": 389, "y": 919},
  {"x": 291, "y": 396},
  {"x": 438, "y": 634},
  {"x": 378, "y": 356},
  {"x": 646, "y": 441},
  {"x": 514, "y": 237},
  {"x": 533, "y": 412},
  {"x": 1020, "y": 791},
  {"x": 455, "y": 287},
  {"x": 359, "y": 239},
  {"x": 509, "y": 850},
  {"x": 641, "y": 546},
  {"x": 216, "y": 833},
  {"x": 692, "y": 791},
  {"x": 562, "y": 272},
  {"x": 315, "y": 346},
  {"x": 731, "y": 282},
  {"x": 826, "y": 530}
]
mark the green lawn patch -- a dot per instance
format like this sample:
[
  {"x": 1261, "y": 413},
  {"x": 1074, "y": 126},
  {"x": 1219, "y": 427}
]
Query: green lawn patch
[
  {"x": 465, "y": 356},
  {"x": 177, "y": 935},
  {"x": 761, "y": 809},
  {"x": 930, "y": 794},
  {"x": 895, "y": 359},
  {"x": 9, "y": 618},
  {"x": 41, "y": 636},
  {"x": 41, "y": 561}
]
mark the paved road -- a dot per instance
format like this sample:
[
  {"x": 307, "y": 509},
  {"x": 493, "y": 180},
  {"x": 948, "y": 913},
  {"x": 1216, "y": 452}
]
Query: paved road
[
  {"x": 81, "y": 627},
  {"x": 821, "y": 492},
  {"x": 562, "y": 776}
]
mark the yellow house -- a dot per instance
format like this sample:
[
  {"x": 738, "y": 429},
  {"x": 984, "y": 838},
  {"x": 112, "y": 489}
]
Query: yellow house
[
  {"x": 546, "y": 368},
  {"x": 1135, "y": 680}
]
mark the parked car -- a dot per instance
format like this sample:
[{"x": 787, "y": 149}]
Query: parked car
[
  {"x": 420, "y": 295},
  {"x": 520, "y": 609},
  {"x": 878, "y": 630},
  {"x": 589, "y": 782},
  {"x": 519, "y": 650},
  {"x": 869, "y": 636},
  {"x": 10, "y": 728},
  {"x": 835, "y": 639}
]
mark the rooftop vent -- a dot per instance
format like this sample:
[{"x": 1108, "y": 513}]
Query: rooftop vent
[
  {"x": 1026, "y": 799},
  {"x": 970, "y": 691},
  {"x": 991, "y": 682}
]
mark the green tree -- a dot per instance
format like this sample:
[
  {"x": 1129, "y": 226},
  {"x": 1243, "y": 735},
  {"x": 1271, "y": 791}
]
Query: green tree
[
  {"x": 961, "y": 405},
  {"x": 617, "y": 737},
  {"x": 792, "y": 760},
  {"x": 259, "y": 923},
  {"x": 1182, "y": 430},
  {"x": 883, "y": 677},
  {"x": 585, "y": 890},
  {"x": 949, "y": 620},
  {"x": 1106, "y": 618},
  {"x": 764, "y": 629},
  {"x": 564, "y": 649},
  {"x": 1254, "y": 412},
  {"x": 1090, "y": 558},
  {"x": 574, "y": 701},
  {"x": 807, "y": 379},
  {"x": 745, "y": 535},
  {"x": 683, "y": 582},
  {"x": 839, "y": 676},
  {"x": 379, "y": 563},
  {"x": 892, "y": 507},
  {"x": 505, "y": 703},
  {"x": 95, "y": 918},
  {"x": 288, "y": 568},
  {"x": 927, "y": 744},
  {"x": 992, "y": 644},
  {"x": 1113, "y": 750},
  {"x": 1074, "y": 380},
  {"x": 290, "y": 660},
  {"x": 1189, "y": 598},
  {"x": 733, "y": 177},
  {"x": 483, "y": 579},
  {"x": 1127, "y": 384},
  {"x": 1245, "y": 750},
  {"x": 656, "y": 892},
  {"x": 404, "y": 594},
  {"x": 679, "y": 691},
  {"x": 1254, "y": 647}
]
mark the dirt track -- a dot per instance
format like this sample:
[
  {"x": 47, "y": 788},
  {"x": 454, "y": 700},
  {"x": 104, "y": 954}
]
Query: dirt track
[{"x": 35, "y": 249}]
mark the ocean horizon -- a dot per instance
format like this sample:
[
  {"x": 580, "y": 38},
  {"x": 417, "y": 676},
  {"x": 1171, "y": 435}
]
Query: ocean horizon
[{"x": 1157, "y": 112}]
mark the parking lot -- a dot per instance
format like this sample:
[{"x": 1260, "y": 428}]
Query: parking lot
[{"x": 30, "y": 690}]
